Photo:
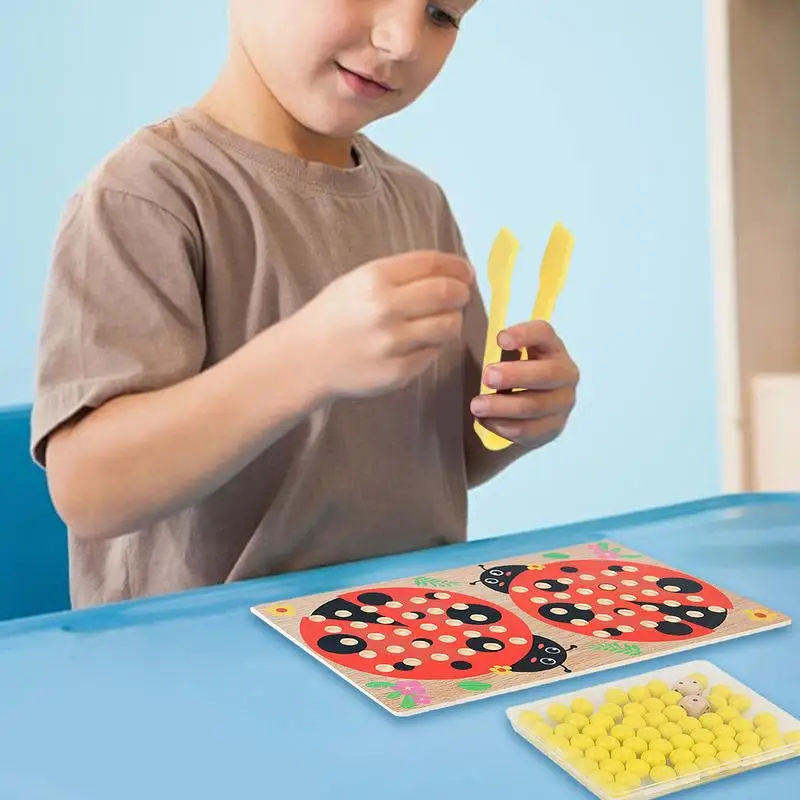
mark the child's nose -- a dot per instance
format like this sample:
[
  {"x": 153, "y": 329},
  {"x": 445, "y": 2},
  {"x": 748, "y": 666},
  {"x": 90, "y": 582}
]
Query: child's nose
[{"x": 398, "y": 29}]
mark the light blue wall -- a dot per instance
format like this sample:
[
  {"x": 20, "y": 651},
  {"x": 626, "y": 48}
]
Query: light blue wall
[{"x": 592, "y": 113}]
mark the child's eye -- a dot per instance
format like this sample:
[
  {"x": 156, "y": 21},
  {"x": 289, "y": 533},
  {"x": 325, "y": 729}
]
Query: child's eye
[{"x": 441, "y": 17}]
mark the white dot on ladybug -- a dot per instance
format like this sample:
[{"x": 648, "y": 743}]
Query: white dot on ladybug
[
  {"x": 716, "y": 610},
  {"x": 384, "y": 668},
  {"x": 349, "y": 641},
  {"x": 471, "y": 634},
  {"x": 604, "y": 617},
  {"x": 630, "y": 568},
  {"x": 454, "y": 623},
  {"x": 608, "y": 587},
  {"x": 542, "y": 585},
  {"x": 605, "y": 601},
  {"x": 420, "y": 645},
  {"x": 317, "y": 618},
  {"x": 583, "y": 607},
  {"x": 561, "y": 596},
  {"x": 601, "y": 634},
  {"x": 376, "y": 637},
  {"x": 394, "y": 604},
  {"x": 670, "y": 618},
  {"x": 386, "y": 620},
  {"x": 412, "y": 662},
  {"x": 648, "y": 623},
  {"x": 439, "y": 657},
  {"x": 538, "y": 600},
  {"x": 567, "y": 581},
  {"x": 342, "y": 612},
  {"x": 395, "y": 649},
  {"x": 672, "y": 588},
  {"x": 441, "y": 595},
  {"x": 428, "y": 626},
  {"x": 579, "y": 622},
  {"x": 694, "y": 598},
  {"x": 585, "y": 591},
  {"x": 630, "y": 583},
  {"x": 358, "y": 625},
  {"x": 558, "y": 610},
  {"x": 672, "y": 603},
  {"x": 419, "y": 601},
  {"x": 368, "y": 654},
  {"x": 460, "y": 606},
  {"x": 466, "y": 651},
  {"x": 447, "y": 639},
  {"x": 409, "y": 615},
  {"x": 332, "y": 629},
  {"x": 694, "y": 614},
  {"x": 625, "y": 628},
  {"x": 626, "y": 612},
  {"x": 650, "y": 578},
  {"x": 587, "y": 577},
  {"x": 649, "y": 607},
  {"x": 478, "y": 617},
  {"x": 629, "y": 598},
  {"x": 517, "y": 640},
  {"x": 608, "y": 572},
  {"x": 520, "y": 589},
  {"x": 369, "y": 609},
  {"x": 649, "y": 592},
  {"x": 402, "y": 632},
  {"x": 436, "y": 611},
  {"x": 493, "y": 646},
  {"x": 498, "y": 629}
]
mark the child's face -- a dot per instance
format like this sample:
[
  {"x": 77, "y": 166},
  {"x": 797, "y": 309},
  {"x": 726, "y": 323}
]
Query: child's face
[{"x": 306, "y": 51}]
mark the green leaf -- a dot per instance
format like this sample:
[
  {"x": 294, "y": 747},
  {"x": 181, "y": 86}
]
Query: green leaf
[
  {"x": 434, "y": 583},
  {"x": 379, "y": 684},
  {"x": 474, "y": 686},
  {"x": 619, "y": 649},
  {"x": 556, "y": 555},
  {"x": 394, "y": 695},
  {"x": 408, "y": 702},
  {"x": 603, "y": 545}
]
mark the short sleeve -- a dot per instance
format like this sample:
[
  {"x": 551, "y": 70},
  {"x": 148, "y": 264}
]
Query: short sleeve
[{"x": 122, "y": 310}]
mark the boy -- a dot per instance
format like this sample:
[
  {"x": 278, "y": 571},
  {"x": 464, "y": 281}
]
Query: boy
[{"x": 262, "y": 341}]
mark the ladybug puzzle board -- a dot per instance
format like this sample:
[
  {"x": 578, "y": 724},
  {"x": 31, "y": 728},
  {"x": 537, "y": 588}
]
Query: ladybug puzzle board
[{"x": 431, "y": 641}]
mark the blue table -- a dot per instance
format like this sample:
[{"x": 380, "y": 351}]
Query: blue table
[{"x": 191, "y": 697}]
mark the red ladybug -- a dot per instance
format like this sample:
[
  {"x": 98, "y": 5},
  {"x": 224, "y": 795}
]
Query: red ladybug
[
  {"x": 605, "y": 599},
  {"x": 426, "y": 636}
]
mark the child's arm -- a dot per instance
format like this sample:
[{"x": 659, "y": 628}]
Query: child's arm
[{"x": 131, "y": 424}]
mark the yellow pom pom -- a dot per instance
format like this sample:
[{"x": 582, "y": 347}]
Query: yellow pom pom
[
  {"x": 662, "y": 773},
  {"x": 586, "y": 765},
  {"x": 609, "y": 742},
  {"x": 622, "y": 732},
  {"x": 596, "y": 753},
  {"x": 671, "y": 698},
  {"x": 629, "y": 780},
  {"x": 603, "y": 720},
  {"x": 772, "y": 743},
  {"x": 728, "y": 713},
  {"x": 610, "y": 710},
  {"x": 661, "y": 746},
  {"x": 636, "y": 745},
  {"x": 573, "y": 754},
  {"x": 638, "y": 767},
  {"x": 748, "y": 750},
  {"x": 700, "y": 678},
  {"x": 682, "y": 741},
  {"x": 655, "y": 718},
  {"x": 634, "y": 709},
  {"x": 741, "y": 724},
  {"x": 764, "y": 719},
  {"x": 657, "y": 688},
  {"x": 702, "y": 736},
  {"x": 638, "y": 693},
  {"x": 792, "y": 737},
  {"x": 686, "y": 768},
  {"x": 717, "y": 702},
  {"x": 727, "y": 756},
  {"x": 582, "y": 741},
  {"x": 747, "y": 737},
  {"x": 617, "y": 697},
  {"x": 648, "y": 734},
  {"x": 711, "y": 721},
  {"x": 566, "y": 730},
  {"x": 765, "y": 731},
  {"x": 600, "y": 778},
  {"x": 689, "y": 724},
  {"x": 722, "y": 690},
  {"x": 557, "y": 742},
  {"x": 557, "y": 712},
  {"x": 704, "y": 749},
  {"x": 706, "y": 762},
  {"x": 593, "y": 731},
  {"x": 612, "y": 765},
  {"x": 653, "y": 758},
  {"x": 674, "y": 713},
  {"x": 580, "y": 721},
  {"x": 653, "y": 704},
  {"x": 637, "y": 723},
  {"x": 681, "y": 755},
  {"x": 622, "y": 754},
  {"x": 580, "y": 705},
  {"x": 669, "y": 729},
  {"x": 740, "y": 702}
]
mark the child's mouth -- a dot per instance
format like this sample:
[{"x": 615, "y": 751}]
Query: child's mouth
[{"x": 363, "y": 85}]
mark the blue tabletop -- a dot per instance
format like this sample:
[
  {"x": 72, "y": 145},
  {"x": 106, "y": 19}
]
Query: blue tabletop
[{"x": 192, "y": 697}]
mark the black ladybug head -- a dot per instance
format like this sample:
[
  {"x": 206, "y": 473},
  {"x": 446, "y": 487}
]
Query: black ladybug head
[
  {"x": 499, "y": 578},
  {"x": 544, "y": 654}
]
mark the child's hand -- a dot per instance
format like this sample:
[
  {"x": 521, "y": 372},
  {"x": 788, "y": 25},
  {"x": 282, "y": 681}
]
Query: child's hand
[
  {"x": 536, "y": 416},
  {"x": 385, "y": 322}
]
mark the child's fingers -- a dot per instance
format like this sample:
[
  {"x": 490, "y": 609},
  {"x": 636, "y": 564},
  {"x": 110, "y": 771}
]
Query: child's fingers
[
  {"x": 523, "y": 405},
  {"x": 432, "y": 331},
  {"x": 538, "y": 374},
  {"x": 531, "y": 432},
  {"x": 409, "y": 267},
  {"x": 430, "y": 296}
]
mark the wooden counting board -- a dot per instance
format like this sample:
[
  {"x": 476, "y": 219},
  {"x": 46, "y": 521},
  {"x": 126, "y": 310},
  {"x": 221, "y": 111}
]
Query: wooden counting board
[{"x": 428, "y": 642}]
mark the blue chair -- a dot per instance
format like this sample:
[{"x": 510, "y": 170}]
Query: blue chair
[{"x": 33, "y": 540}]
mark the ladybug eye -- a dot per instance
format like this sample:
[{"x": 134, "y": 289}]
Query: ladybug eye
[
  {"x": 551, "y": 650},
  {"x": 491, "y": 581},
  {"x": 497, "y": 572},
  {"x": 549, "y": 662}
]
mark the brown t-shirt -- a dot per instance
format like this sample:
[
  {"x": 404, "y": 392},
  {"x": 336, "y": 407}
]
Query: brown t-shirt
[{"x": 185, "y": 243}]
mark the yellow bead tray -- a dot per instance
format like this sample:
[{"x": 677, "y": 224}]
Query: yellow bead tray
[{"x": 638, "y": 738}]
